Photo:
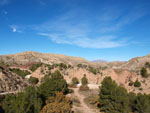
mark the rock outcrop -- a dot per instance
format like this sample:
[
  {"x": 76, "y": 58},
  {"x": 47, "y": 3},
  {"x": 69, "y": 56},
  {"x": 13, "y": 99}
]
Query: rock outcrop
[{"x": 10, "y": 81}]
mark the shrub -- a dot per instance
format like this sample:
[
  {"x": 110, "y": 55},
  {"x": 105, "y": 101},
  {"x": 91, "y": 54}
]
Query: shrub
[
  {"x": 54, "y": 84},
  {"x": 137, "y": 83},
  {"x": 34, "y": 67},
  {"x": 28, "y": 101},
  {"x": 131, "y": 83},
  {"x": 84, "y": 80},
  {"x": 92, "y": 70},
  {"x": 58, "y": 104},
  {"x": 141, "y": 104},
  {"x": 62, "y": 65},
  {"x": 33, "y": 80},
  {"x": 75, "y": 80},
  {"x": 79, "y": 65},
  {"x": 19, "y": 72},
  {"x": 144, "y": 72},
  {"x": 147, "y": 65}
]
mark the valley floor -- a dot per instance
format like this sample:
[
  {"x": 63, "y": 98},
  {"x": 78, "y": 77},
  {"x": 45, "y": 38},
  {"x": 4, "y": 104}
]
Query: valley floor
[{"x": 83, "y": 107}]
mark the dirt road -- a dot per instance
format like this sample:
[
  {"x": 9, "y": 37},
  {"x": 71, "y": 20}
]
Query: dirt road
[{"x": 84, "y": 108}]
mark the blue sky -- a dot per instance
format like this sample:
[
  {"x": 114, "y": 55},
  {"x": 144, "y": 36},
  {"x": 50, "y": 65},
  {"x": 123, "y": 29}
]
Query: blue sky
[{"x": 93, "y": 29}]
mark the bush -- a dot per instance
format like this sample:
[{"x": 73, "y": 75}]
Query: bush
[
  {"x": 54, "y": 84},
  {"x": 92, "y": 70},
  {"x": 33, "y": 80},
  {"x": 144, "y": 72},
  {"x": 141, "y": 104},
  {"x": 147, "y": 65},
  {"x": 79, "y": 65},
  {"x": 19, "y": 72},
  {"x": 137, "y": 83},
  {"x": 28, "y": 101},
  {"x": 131, "y": 83},
  {"x": 58, "y": 104},
  {"x": 62, "y": 66},
  {"x": 34, "y": 67},
  {"x": 84, "y": 80},
  {"x": 75, "y": 80}
]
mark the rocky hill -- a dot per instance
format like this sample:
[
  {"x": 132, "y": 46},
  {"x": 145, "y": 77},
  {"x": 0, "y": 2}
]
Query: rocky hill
[
  {"x": 30, "y": 56},
  {"x": 10, "y": 81},
  {"x": 42, "y": 64},
  {"x": 134, "y": 64}
]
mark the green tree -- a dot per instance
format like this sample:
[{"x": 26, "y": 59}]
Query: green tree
[
  {"x": 137, "y": 83},
  {"x": 19, "y": 72},
  {"x": 142, "y": 103},
  {"x": 147, "y": 65},
  {"x": 144, "y": 72},
  {"x": 131, "y": 83},
  {"x": 75, "y": 80},
  {"x": 52, "y": 85},
  {"x": 113, "y": 98},
  {"x": 34, "y": 67},
  {"x": 28, "y": 101},
  {"x": 33, "y": 80},
  {"x": 132, "y": 97},
  {"x": 84, "y": 80}
]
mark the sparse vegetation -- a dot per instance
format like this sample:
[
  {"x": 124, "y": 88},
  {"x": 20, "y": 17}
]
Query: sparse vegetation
[
  {"x": 131, "y": 83},
  {"x": 58, "y": 104},
  {"x": 28, "y": 101},
  {"x": 92, "y": 70},
  {"x": 34, "y": 67},
  {"x": 84, "y": 80},
  {"x": 19, "y": 72},
  {"x": 144, "y": 72},
  {"x": 55, "y": 83},
  {"x": 137, "y": 83},
  {"x": 147, "y": 65},
  {"x": 75, "y": 80},
  {"x": 33, "y": 80},
  {"x": 33, "y": 98}
]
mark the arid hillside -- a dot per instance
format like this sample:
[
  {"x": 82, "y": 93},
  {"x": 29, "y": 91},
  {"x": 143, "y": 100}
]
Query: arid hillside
[
  {"x": 40, "y": 65},
  {"x": 30, "y": 56},
  {"x": 10, "y": 81}
]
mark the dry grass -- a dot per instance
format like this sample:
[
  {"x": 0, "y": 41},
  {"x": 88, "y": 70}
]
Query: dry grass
[{"x": 75, "y": 100}]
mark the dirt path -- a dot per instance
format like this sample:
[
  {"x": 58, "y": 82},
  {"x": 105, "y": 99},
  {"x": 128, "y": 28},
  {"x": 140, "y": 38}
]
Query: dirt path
[
  {"x": 11, "y": 92},
  {"x": 84, "y": 108}
]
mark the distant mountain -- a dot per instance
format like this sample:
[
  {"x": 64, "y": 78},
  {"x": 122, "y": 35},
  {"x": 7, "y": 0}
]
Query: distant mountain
[
  {"x": 30, "y": 56},
  {"x": 99, "y": 61},
  {"x": 134, "y": 64}
]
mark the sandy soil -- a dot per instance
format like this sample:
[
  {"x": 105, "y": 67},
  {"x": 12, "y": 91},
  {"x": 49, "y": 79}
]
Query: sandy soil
[{"x": 83, "y": 107}]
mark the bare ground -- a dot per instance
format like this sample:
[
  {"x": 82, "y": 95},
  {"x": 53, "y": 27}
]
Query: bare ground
[{"x": 83, "y": 108}]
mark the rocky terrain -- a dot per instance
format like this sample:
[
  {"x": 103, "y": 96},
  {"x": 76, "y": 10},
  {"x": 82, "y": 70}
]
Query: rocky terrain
[
  {"x": 10, "y": 81},
  {"x": 122, "y": 72},
  {"x": 30, "y": 56}
]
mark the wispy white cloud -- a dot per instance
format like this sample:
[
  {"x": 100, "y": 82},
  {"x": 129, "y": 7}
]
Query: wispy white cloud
[
  {"x": 90, "y": 30},
  {"x": 80, "y": 32},
  {"x": 100, "y": 42}
]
